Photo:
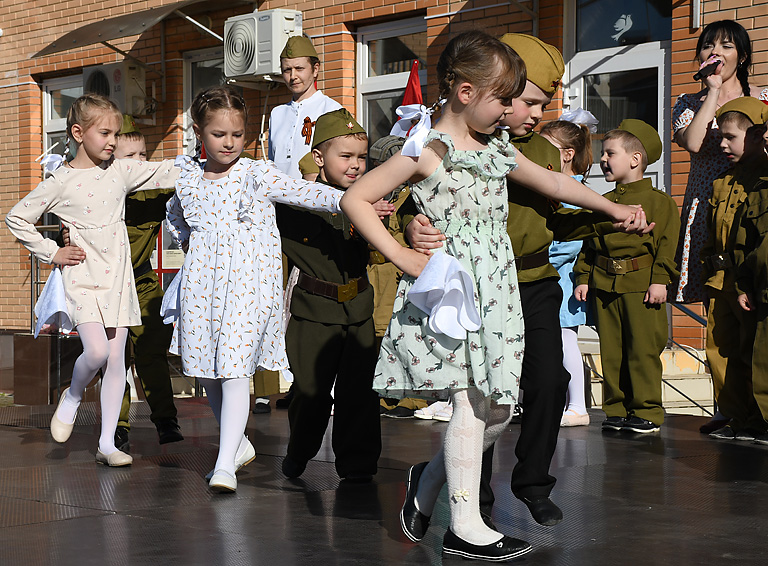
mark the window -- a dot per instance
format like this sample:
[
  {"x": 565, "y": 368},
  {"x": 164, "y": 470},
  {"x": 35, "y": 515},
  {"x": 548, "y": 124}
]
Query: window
[
  {"x": 202, "y": 69},
  {"x": 609, "y": 23},
  {"x": 58, "y": 96},
  {"x": 385, "y": 55}
]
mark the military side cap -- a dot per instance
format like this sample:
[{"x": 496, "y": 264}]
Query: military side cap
[
  {"x": 544, "y": 64},
  {"x": 754, "y": 109},
  {"x": 298, "y": 46},
  {"x": 385, "y": 147},
  {"x": 307, "y": 165},
  {"x": 647, "y": 135},
  {"x": 129, "y": 125},
  {"x": 335, "y": 124}
]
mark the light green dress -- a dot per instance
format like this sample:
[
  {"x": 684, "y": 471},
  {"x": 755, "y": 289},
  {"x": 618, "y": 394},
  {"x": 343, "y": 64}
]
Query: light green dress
[{"x": 466, "y": 199}]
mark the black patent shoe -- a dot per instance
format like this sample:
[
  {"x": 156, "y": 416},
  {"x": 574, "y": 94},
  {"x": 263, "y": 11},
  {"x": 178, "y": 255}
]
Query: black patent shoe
[
  {"x": 122, "y": 441},
  {"x": 505, "y": 549},
  {"x": 413, "y": 521},
  {"x": 168, "y": 431}
]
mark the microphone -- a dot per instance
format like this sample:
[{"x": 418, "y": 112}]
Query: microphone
[{"x": 706, "y": 71}]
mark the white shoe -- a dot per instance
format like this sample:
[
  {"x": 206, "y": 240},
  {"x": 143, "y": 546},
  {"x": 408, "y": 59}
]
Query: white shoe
[
  {"x": 572, "y": 418},
  {"x": 444, "y": 415},
  {"x": 61, "y": 431},
  {"x": 223, "y": 482},
  {"x": 114, "y": 460},
  {"x": 248, "y": 456},
  {"x": 428, "y": 413}
]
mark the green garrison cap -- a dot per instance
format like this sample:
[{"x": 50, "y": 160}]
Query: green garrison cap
[
  {"x": 544, "y": 64},
  {"x": 385, "y": 147},
  {"x": 335, "y": 124},
  {"x": 129, "y": 125},
  {"x": 307, "y": 165},
  {"x": 647, "y": 135},
  {"x": 298, "y": 46},
  {"x": 754, "y": 109}
]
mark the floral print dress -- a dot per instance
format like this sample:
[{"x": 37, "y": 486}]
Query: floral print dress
[
  {"x": 466, "y": 199},
  {"x": 706, "y": 166},
  {"x": 231, "y": 291}
]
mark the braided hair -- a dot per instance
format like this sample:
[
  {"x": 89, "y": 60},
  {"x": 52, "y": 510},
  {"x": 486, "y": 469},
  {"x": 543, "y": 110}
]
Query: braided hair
[{"x": 734, "y": 32}]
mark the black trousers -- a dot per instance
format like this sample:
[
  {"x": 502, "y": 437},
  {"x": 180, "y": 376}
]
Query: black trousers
[
  {"x": 544, "y": 381},
  {"x": 320, "y": 354}
]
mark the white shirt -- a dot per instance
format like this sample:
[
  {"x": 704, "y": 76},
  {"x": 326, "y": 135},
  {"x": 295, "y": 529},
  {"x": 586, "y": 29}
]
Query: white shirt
[{"x": 290, "y": 130}]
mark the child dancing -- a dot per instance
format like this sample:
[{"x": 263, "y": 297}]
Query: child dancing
[
  {"x": 230, "y": 292},
  {"x": 460, "y": 185},
  {"x": 88, "y": 195}
]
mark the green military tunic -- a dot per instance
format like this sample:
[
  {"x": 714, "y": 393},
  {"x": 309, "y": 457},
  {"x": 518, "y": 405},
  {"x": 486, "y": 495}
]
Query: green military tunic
[
  {"x": 330, "y": 341},
  {"x": 730, "y": 329},
  {"x": 751, "y": 259},
  {"x": 633, "y": 334}
]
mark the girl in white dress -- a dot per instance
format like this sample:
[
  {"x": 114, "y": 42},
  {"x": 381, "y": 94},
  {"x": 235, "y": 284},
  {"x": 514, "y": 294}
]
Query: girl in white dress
[
  {"x": 231, "y": 292},
  {"x": 460, "y": 184},
  {"x": 88, "y": 195}
]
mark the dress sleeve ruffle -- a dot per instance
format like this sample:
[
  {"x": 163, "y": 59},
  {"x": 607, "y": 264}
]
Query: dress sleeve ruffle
[
  {"x": 682, "y": 113},
  {"x": 189, "y": 180},
  {"x": 492, "y": 163}
]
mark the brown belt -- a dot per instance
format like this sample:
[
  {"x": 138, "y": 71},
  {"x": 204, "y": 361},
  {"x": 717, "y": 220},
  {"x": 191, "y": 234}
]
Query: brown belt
[
  {"x": 532, "y": 261},
  {"x": 336, "y": 291},
  {"x": 376, "y": 257},
  {"x": 619, "y": 266},
  {"x": 719, "y": 261}
]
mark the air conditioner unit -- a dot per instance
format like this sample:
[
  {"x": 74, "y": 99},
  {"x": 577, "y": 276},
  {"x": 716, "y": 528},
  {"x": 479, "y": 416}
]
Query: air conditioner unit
[
  {"x": 123, "y": 82},
  {"x": 253, "y": 42}
]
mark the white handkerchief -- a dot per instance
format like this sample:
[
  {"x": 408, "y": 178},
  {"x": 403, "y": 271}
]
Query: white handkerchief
[
  {"x": 446, "y": 292},
  {"x": 51, "y": 306},
  {"x": 170, "y": 309}
]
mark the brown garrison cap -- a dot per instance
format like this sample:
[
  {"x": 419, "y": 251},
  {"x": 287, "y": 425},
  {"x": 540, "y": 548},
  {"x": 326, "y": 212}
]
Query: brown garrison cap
[
  {"x": 129, "y": 124},
  {"x": 647, "y": 135},
  {"x": 384, "y": 148},
  {"x": 298, "y": 46},
  {"x": 335, "y": 124},
  {"x": 754, "y": 109},
  {"x": 544, "y": 64}
]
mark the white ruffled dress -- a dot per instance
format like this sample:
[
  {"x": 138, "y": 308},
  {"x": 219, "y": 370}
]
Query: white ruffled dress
[{"x": 231, "y": 288}]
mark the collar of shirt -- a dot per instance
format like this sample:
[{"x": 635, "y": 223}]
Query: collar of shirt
[{"x": 636, "y": 187}]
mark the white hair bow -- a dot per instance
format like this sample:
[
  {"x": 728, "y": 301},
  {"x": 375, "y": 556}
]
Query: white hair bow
[
  {"x": 581, "y": 116},
  {"x": 415, "y": 135}
]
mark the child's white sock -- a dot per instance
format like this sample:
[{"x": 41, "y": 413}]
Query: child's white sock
[
  {"x": 112, "y": 389},
  {"x": 235, "y": 408},
  {"x": 575, "y": 368}
]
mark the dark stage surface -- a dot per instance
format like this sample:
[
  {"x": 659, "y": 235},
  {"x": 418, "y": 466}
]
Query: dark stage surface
[{"x": 675, "y": 498}]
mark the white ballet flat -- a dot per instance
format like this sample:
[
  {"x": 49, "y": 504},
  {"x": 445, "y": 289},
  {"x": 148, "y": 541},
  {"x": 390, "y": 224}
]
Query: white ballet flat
[
  {"x": 248, "y": 456},
  {"x": 114, "y": 460},
  {"x": 223, "y": 482},
  {"x": 61, "y": 431}
]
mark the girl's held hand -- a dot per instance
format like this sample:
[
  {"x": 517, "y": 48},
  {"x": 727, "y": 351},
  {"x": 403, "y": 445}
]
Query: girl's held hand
[
  {"x": 580, "y": 292},
  {"x": 383, "y": 208},
  {"x": 411, "y": 261},
  {"x": 656, "y": 294},
  {"x": 69, "y": 255},
  {"x": 745, "y": 302},
  {"x": 631, "y": 219},
  {"x": 423, "y": 236}
]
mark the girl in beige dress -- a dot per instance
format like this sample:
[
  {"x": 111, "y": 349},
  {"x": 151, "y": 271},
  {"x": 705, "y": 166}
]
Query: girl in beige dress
[{"x": 88, "y": 195}]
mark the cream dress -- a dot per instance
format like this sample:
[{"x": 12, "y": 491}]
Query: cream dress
[{"x": 91, "y": 204}]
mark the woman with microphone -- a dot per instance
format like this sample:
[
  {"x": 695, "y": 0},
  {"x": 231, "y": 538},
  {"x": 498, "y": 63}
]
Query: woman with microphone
[{"x": 725, "y": 56}]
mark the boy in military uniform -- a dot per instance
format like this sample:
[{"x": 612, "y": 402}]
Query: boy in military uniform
[
  {"x": 330, "y": 336},
  {"x": 751, "y": 259},
  {"x": 626, "y": 278},
  {"x": 731, "y": 329}
]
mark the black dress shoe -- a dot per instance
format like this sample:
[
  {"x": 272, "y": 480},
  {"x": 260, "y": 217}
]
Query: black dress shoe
[
  {"x": 285, "y": 402},
  {"x": 122, "y": 441},
  {"x": 543, "y": 511},
  {"x": 505, "y": 549},
  {"x": 413, "y": 522},
  {"x": 261, "y": 406},
  {"x": 488, "y": 521},
  {"x": 357, "y": 477},
  {"x": 168, "y": 431},
  {"x": 293, "y": 468},
  {"x": 400, "y": 412}
]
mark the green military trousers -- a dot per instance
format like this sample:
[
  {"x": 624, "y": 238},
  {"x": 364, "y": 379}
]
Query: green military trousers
[{"x": 760, "y": 363}]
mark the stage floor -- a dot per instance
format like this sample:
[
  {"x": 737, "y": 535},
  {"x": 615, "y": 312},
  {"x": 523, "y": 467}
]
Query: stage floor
[{"x": 677, "y": 497}]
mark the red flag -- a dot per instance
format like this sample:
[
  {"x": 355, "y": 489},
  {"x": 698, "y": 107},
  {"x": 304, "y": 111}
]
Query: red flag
[{"x": 413, "y": 88}]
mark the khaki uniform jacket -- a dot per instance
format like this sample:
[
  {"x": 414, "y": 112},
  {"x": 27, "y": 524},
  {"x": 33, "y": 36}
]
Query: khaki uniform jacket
[
  {"x": 751, "y": 249},
  {"x": 661, "y": 243},
  {"x": 325, "y": 246},
  {"x": 729, "y": 191},
  {"x": 144, "y": 216}
]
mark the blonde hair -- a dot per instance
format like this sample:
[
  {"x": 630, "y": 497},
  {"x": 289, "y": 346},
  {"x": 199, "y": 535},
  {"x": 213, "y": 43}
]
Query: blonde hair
[
  {"x": 575, "y": 137},
  {"x": 484, "y": 62},
  {"x": 89, "y": 109}
]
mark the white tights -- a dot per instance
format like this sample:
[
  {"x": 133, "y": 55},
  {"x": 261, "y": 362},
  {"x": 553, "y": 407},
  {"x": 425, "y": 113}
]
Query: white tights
[
  {"x": 477, "y": 423},
  {"x": 102, "y": 348},
  {"x": 574, "y": 365},
  {"x": 230, "y": 402}
]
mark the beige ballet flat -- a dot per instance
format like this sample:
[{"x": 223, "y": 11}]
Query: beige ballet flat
[
  {"x": 223, "y": 482},
  {"x": 114, "y": 460},
  {"x": 61, "y": 431},
  {"x": 572, "y": 418}
]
